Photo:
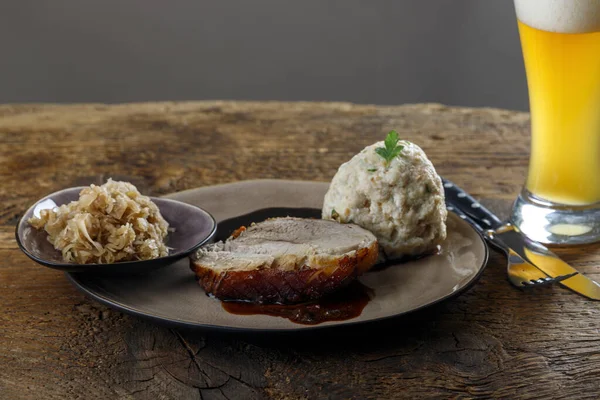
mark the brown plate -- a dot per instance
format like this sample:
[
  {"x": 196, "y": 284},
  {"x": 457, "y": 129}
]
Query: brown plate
[{"x": 173, "y": 296}]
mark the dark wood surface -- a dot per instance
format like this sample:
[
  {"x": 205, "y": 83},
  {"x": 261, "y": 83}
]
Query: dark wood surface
[{"x": 493, "y": 341}]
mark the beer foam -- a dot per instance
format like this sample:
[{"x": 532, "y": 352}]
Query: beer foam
[{"x": 565, "y": 16}]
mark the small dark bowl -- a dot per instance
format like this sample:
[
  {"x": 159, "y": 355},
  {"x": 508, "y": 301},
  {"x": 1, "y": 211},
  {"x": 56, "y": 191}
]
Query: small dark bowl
[{"x": 193, "y": 228}]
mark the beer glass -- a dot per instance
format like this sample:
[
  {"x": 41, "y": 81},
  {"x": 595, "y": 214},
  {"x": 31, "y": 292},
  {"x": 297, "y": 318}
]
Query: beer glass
[{"x": 560, "y": 202}]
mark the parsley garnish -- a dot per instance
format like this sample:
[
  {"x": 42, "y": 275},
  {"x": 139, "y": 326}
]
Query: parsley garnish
[
  {"x": 372, "y": 169},
  {"x": 391, "y": 149},
  {"x": 334, "y": 214}
]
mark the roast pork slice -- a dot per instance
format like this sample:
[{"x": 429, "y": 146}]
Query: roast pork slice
[{"x": 285, "y": 260}]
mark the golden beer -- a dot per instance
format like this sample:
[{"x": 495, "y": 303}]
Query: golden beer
[
  {"x": 563, "y": 76},
  {"x": 560, "y": 203}
]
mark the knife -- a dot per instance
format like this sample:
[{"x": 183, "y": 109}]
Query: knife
[
  {"x": 521, "y": 273},
  {"x": 506, "y": 234}
]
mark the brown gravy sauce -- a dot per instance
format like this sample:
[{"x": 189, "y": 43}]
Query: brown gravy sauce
[{"x": 345, "y": 304}]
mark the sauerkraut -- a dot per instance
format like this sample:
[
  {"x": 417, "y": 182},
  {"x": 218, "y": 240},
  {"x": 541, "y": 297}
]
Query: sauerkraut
[{"x": 109, "y": 223}]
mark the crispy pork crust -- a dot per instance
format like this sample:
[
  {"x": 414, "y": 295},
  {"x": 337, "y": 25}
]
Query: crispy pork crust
[{"x": 272, "y": 285}]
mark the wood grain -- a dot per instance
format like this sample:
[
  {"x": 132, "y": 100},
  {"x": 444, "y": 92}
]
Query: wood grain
[{"x": 494, "y": 341}]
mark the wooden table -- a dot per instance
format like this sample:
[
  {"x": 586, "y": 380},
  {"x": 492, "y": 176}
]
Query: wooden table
[{"x": 492, "y": 341}]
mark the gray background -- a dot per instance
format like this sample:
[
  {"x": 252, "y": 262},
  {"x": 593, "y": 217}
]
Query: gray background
[{"x": 461, "y": 52}]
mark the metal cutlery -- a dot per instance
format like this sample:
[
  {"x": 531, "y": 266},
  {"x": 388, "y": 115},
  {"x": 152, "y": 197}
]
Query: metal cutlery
[
  {"x": 504, "y": 235},
  {"x": 521, "y": 273}
]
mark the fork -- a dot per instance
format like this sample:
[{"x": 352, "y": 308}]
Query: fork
[{"x": 521, "y": 273}]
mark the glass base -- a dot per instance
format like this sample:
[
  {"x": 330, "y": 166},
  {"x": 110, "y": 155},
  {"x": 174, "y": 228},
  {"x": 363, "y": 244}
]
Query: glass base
[{"x": 557, "y": 224}]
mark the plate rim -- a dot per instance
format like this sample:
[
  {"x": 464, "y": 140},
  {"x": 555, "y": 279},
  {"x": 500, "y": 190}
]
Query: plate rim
[{"x": 169, "y": 321}]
